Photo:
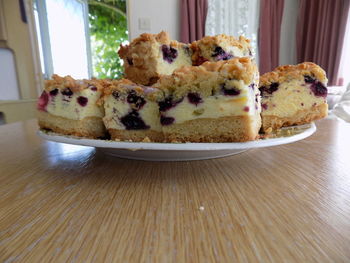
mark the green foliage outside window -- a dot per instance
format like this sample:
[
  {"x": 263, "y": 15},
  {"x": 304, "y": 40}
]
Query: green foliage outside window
[{"x": 108, "y": 29}]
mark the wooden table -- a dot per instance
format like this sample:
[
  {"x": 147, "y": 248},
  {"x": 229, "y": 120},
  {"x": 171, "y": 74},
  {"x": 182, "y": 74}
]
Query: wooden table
[{"x": 63, "y": 203}]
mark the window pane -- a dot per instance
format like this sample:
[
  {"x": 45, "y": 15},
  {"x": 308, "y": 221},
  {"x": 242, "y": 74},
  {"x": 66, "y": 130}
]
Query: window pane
[{"x": 67, "y": 37}]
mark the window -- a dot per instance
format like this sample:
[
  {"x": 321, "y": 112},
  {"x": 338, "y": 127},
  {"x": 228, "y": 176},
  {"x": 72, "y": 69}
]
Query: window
[{"x": 64, "y": 42}]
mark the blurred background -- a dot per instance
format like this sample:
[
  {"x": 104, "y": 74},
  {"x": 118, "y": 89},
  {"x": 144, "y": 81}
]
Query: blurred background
[{"x": 81, "y": 38}]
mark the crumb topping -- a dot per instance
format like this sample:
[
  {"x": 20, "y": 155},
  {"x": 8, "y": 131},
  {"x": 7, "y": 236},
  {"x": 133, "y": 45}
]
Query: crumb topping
[
  {"x": 292, "y": 72},
  {"x": 124, "y": 86},
  {"x": 61, "y": 83},
  {"x": 207, "y": 77},
  {"x": 242, "y": 42}
]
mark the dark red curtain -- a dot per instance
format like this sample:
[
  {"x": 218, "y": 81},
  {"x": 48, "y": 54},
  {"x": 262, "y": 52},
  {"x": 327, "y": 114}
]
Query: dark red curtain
[
  {"x": 320, "y": 34},
  {"x": 271, "y": 13},
  {"x": 193, "y": 15}
]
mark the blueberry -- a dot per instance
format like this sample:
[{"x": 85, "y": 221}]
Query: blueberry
[
  {"x": 230, "y": 92},
  {"x": 319, "y": 89},
  {"x": 135, "y": 99},
  {"x": 115, "y": 94},
  {"x": 169, "y": 53},
  {"x": 200, "y": 60},
  {"x": 264, "y": 106},
  {"x": 130, "y": 62},
  {"x": 82, "y": 101},
  {"x": 54, "y": 92},
  {"x": 43, "y": 101},
  {"x": 194, "y": 98},
  {"x": 166, "y": 120},
  {"x": 133, "y": 121},
  {"x": 93, "y": 88},
  {"x": 67, "y": 92},
  {"x": 309, "y": 79},
  {"x": 168, "y": 103},
  {"x": 269, "y": 89},
  {"x": 220, "y": 54}
]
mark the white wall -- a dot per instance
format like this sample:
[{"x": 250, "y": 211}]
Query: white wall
[
  {"x": 8, "y": 77},
  {"x": 162, "y": 14},
  {"x": 288, "y": 33}
]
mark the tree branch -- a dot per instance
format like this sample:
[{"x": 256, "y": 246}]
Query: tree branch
[{"x": 109, "y": 6}]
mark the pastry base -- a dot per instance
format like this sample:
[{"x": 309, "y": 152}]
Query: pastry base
[
  {"x": 224, "y": 129},
  {"x": 136, "y": 135},
  {"x": 89, "y": 127},
  {"x": 271, "y": 122}
]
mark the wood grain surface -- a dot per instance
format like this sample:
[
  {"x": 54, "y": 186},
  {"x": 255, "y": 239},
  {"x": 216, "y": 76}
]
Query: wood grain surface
[{"x": 63, "y": 203}]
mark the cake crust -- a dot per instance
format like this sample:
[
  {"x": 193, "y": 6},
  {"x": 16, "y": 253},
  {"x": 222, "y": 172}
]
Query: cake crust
[
  {"x": 271, "y": 122},
  {"x": 206, "y": 76},
  {"x": 290, "y": 72},
  {"x": 62, "y": 83},
  {"x": 202, "y": 49},
  {"x": 136, "y": 135},
  {"x": 89, "y": 127},
  {"x": 142, "y": 54},
  {"x": 224, "y": 129}
]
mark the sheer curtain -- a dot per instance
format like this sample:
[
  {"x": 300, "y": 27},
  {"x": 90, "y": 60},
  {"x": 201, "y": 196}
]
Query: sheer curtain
[{"x": 238, "y": 17}]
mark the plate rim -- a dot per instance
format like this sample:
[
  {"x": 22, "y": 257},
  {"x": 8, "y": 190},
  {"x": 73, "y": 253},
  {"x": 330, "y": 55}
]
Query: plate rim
[{"x": 133, "y": 146}]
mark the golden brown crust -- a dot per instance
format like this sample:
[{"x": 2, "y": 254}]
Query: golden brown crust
[
  {"x": 301, "y": 117},
  {"x": 242, "y": 42},
  {"x": 124, "y": 86},
  {"x": 89, "y": 127},
  {"x": 224, "y": 129},
  {"x": 141, "y": 57},
  {"x": 136, "y": 136},
  {"x": 203, "y": 48},
  {"x": 208, "y": 76},
  {"x": 290, "y": 72},
  {"x": 57, "y": 82}
]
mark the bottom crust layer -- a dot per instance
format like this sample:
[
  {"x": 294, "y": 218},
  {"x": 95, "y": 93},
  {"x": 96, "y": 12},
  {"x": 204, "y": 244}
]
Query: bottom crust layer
[
  {"x": 89, "y": 127},
  {"x": 301, "y": 117},
  {"x": 136, "y": 136},
  {"x": 224, "y": 129}
]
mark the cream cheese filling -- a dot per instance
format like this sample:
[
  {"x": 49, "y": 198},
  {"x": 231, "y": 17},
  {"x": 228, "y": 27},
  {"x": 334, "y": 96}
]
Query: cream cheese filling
[
  {"x": 215, "y": 107},
  {"x": 68, "y": 106},
  {"x": 166, "y": 68},
  {"x": 290, "y": 97},
  {"x": 116, "y": 109}
]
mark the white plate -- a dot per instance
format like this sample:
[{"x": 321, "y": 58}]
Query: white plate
[{"x": 182, "y": 151}]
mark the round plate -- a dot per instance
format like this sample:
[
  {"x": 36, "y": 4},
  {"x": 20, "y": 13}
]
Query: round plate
[{"x": 183, "y": 151}]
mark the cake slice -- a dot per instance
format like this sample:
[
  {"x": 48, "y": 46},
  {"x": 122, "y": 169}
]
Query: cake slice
[
  {"x": 149, "y": 56},
  {"x": 132, "y": 112},
  {"x": 214, "y": 102},
  {"x": 293, "y": 95},
  {"x": 72, "y": 107},
  {"x": 220, "y": 47}
]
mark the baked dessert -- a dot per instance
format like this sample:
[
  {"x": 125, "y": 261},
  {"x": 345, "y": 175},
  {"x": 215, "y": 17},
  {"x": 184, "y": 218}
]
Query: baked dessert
[
  {"x": 149, "y": 56},
  {"x": 293, "y": 95},
  {"x": 72, "y": 107},
  {"x": 220, "y": 47},
  {"x": 131, "y": 112},
  {"x": 214, "y": 102}
]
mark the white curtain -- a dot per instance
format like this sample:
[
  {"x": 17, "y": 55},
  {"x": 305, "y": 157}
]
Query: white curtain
[{"x": 234, "y": 17}]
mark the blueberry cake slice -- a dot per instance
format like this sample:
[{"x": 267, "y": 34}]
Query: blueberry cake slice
[
  {"x": 149, "y": 56},
  {"x": 293, "y": 95},
  {"x": 214, "y": 102},
  {"x": 131, "y": 112},
  {"x": 220, "y": 47},
  {"x": 72, "y": 107}
]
